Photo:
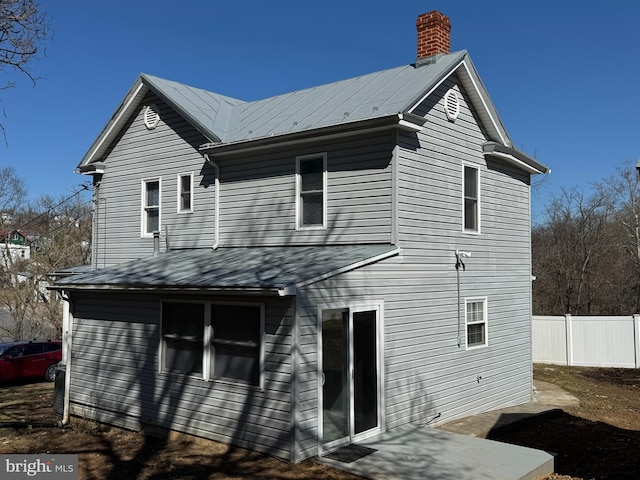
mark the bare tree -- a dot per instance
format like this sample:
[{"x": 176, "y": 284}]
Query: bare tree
[
  {"x": 59, "y": 235},
  {"x": 569, "y": 253},
  {"x": 23, "y": 26},
  {"x": 623, "y": 192}
]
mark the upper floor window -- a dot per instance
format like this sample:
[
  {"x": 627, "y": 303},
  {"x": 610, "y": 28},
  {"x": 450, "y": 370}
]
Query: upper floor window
[
  {"x": 471, "y": 199},
  {"x": 150, "y": 206},
  {"x": 476, "y": 320},
  {"x": 311, "y": 195},
  {"x": 213, "y": 340},
  {"x": 185, "y": 193}
]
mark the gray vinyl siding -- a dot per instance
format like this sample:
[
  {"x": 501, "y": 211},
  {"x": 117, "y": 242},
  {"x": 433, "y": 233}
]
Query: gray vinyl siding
[
  {"x": 138, "y": 154},
  {"x": 377, "y": 193},
  {"x": 429, "y": 379},
  {"x": 422, "y": 328},
  {"x": 116, "y": 376},
  {"x": 258, "y": 194}
]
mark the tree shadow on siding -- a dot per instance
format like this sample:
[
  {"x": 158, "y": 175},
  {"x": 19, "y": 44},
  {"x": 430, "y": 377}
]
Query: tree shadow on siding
[{"x": 177, "y": 396}]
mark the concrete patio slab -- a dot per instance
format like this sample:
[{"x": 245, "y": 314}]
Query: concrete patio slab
[{"x": 413, "y": 452}]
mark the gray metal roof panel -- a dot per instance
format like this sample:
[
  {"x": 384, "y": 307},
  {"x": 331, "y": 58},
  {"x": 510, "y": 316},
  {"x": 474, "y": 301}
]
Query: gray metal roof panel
[
  {"x": 230, "y": 267},
  {"x": 368, "y": 96},
  {"x": 210, "y": 110}
]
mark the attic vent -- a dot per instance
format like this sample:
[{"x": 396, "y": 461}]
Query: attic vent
[
  {"x": 151, "y": 116},
  {"x": 452, "y": 105}
]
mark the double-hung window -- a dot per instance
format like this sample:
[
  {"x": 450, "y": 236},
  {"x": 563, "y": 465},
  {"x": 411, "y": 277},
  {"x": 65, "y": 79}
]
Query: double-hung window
[
  {"x": 185, "y": 193},
  {"x": 213, "y": 340},
  {"x": 471, "y": 199},
  {"x": 150, "y": 206},
  {"x": 476, "y": 321},
  {"x": 311, "y": 191}
]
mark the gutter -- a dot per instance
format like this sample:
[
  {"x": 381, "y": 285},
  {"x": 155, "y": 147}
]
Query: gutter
[
  {"x": 404, "y": 121},
  {"x": 514, "y": 157},
  {"x": 236, "y": 290}
]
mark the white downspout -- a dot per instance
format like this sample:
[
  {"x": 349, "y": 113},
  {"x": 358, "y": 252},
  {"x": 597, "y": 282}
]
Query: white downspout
[
  {"x": 67, "y": 340},
  {"x": 216, "y": 207}
]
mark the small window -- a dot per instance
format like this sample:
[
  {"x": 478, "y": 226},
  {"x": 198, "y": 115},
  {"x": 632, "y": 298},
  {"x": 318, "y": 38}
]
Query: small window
[
  {"x": 182, "y": 337},
  {"x": 150, "y": 207},
  {"x": 311, "y": 191},
  {"x": 185, "y": 193},
  {"x": 476, "y": 319},
  {"x": 471, "y": 199},
  {"x": 213, "y": 341}
]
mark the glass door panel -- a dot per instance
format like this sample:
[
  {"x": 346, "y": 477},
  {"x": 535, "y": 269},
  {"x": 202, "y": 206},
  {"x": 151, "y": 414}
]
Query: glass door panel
[
  {"x": 365, "y": 375},
  {"x": 335, "y": 368}
]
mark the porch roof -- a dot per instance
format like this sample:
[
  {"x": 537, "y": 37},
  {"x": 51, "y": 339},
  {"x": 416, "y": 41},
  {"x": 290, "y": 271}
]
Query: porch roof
[{"x": 275, "y": 270}]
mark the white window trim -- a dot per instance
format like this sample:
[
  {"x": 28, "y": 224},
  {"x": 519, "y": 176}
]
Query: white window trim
[
  {"x": 207, "y": 343},
  {"x": 143, "y": 205},
  {"x": 299, "y": 225},
  {"x": 478, "y": 201},
  {"x": 179, "y": 193},
  {"x": 485, "y": 321}
]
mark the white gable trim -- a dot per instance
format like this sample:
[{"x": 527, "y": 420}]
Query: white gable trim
[
  {"x": 477, "y": 95},
  {"x": 490, "y": 112},
  {"x": 132, "y": 101}
]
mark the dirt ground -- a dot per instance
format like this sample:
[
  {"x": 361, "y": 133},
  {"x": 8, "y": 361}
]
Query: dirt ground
[{"x": 598, "y": 440}]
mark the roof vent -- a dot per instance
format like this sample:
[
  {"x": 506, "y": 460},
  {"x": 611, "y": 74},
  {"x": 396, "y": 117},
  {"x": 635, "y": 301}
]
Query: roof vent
[
  {"x": 452, "y": 105},
  {"x": 151, "y": 116}
]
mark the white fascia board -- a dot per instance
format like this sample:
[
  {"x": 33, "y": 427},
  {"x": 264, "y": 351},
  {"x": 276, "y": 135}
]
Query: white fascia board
[
  {"x": 114, "y": 123},
  {"x": 475, "y": 94},
  {"x": 433, "y": 88},
  {"x": 292, "y": 289},
  {"x": 496, "y": 124},
  {"x": 515, "y": 161},
  {"x": 514, "y": 157}
]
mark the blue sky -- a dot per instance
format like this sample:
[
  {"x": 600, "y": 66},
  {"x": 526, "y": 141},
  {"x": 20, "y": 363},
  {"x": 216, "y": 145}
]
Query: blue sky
[{"x": 563, "y": 75}]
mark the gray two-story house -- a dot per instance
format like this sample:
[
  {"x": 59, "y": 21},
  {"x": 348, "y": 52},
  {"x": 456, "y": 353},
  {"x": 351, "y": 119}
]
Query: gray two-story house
[{"x": 296, "y": 273}]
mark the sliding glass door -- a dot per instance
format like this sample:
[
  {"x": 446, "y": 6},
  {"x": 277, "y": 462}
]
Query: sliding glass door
[{"x": 350, "y": 375}]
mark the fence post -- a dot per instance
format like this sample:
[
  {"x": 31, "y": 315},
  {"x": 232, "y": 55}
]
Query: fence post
[
  {"x": 569, "y": 334},
  {"x": 636, "y": 337}
]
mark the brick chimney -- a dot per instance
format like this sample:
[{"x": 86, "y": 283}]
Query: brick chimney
[{"x": 433, "y": 34}]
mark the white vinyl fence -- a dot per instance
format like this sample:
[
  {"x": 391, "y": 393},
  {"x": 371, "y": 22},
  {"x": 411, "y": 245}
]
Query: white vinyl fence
[{"x": 587, "y": 341}]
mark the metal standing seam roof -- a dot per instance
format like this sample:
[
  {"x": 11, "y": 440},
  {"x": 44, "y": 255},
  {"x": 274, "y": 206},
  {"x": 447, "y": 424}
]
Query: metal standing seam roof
[
  {"x": 387, "y": 94},
  {"x": 227, "y": 120},
  {"x": 280, "y": 269},
  {"x": 375, "y": 95}
]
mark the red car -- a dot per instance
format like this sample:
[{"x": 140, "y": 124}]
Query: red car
[{"x": 33, "y": 359}]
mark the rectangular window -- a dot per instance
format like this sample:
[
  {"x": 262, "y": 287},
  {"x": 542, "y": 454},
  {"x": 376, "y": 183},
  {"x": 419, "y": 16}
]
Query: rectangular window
[
  {"x": 311, "y": 173},
  {"x": 182, "y": 337},
  {"x": 236, "y": 342},
  {"x": 471, "y": 199},
  {"x": 476, "y": 320},
  {"x": 150, "y": 207},
  {"x": 214, "y": 341},
  {"x": 185, "y": 193}
]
